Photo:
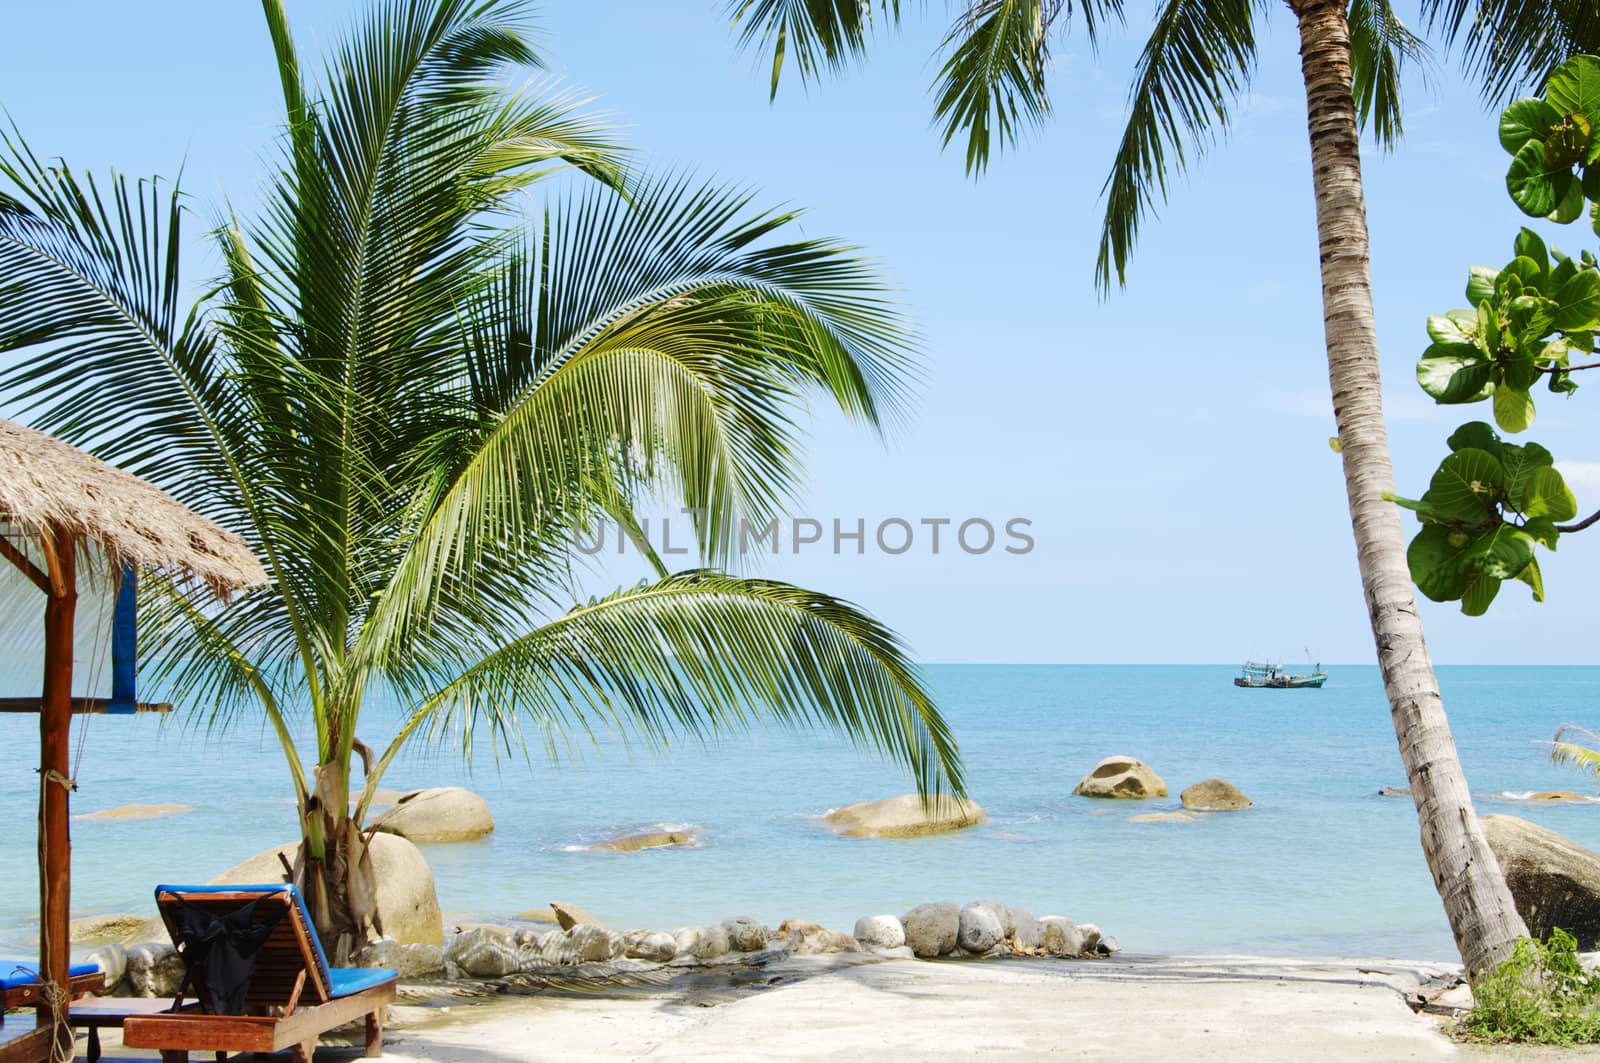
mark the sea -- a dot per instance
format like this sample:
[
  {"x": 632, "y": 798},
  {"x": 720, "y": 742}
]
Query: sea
[{"x": 1321, "y": 865}]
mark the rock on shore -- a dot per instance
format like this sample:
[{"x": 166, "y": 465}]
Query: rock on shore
[
  {"x": 440, "y": 814},
  {"x": 1554, "y": 880},
  {"x": 905, "y": 817},
  {"x": 407, "y": 903},
  {"x": 1121, "y": 777}
]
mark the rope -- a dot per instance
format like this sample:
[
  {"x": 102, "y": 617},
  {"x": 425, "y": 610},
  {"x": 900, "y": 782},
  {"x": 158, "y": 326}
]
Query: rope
[
  {"x": 97, "y": 660},
  {"x": 51, "y": 993}
]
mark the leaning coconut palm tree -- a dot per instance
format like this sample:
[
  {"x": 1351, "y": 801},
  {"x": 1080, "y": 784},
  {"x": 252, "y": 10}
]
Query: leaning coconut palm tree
[
  {"x": 1197, "y": 59},
  {"x": 410, "y": 399}
]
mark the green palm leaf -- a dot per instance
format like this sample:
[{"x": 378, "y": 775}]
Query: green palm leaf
[{"x": 698, "y": 654}]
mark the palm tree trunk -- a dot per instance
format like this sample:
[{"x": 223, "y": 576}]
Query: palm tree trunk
[{"x": 1482, "y": 915}]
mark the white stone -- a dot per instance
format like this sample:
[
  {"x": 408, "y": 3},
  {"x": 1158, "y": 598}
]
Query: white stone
[
  {"x": 978, "y": 929},
  {"x": 806, "y": 938},
  {"x": 593, "y": 944},
  {"x": 485, "y": 952},
  {"x": 880, "y": 932},
  {"x": 701, "y": 943},
  {"x": 931, "y": 929},
  {"x": 113, "y": 963},
  {"x": 1026, "y": 930},
  {"x": 747, "y": 935},
  {"x": 154, "y": 970},
  {"x": 1062, "y": 937},
  {"x": 651, "y": 945}
]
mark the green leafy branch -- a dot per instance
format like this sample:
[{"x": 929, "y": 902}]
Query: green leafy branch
[{"x": 1491, "y": 503}]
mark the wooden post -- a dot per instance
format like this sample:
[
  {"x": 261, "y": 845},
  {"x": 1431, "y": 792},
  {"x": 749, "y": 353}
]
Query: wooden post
[{"x": 55, "y": 730}]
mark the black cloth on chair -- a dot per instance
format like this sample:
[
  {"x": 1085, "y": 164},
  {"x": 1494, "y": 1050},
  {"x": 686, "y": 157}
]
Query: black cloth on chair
[{"x": 226, "y": 947}]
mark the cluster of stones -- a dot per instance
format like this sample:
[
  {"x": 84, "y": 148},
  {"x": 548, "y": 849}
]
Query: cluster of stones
[
  {"x": 1128, "y": 778},
  {"x": 984, "y": 928},
  {"x": 988, "y": 929}
]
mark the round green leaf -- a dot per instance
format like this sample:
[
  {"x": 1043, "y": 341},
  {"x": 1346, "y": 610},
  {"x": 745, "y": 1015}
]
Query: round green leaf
[
  {"x": 1574, "y": 88},
  {"x": 1545, "y": 494},
  {"x": 1467, "y": 486},
  {"x": 1570, "y": 208},
  {"x": 1513, "y": 409},
  {"x": 1578, "y": 302},
  {"x": 1478, "y": 434},
  {"x": 1530, "y": 245},
  {"x": 1435, "y": 564},
  {"x": 1479, "y": 594},
  {"x": 1499, "y": 554},
  {"x": 1532, "y": 183},
  {"x": 1526, "y": 120},
  {"x": 1480, "y": 281},
  {"x": 1451, "y": 375}
]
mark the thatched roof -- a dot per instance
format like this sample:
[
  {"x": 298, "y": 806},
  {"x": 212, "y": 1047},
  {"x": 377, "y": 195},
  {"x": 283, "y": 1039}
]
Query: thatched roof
[{"x": 45, "y": 482}]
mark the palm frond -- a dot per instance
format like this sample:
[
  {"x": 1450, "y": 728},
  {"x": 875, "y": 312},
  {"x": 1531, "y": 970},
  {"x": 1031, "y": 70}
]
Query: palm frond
[
  {"x": 666, "y": 345},
  {"x": 824, "y": 35},
  {"x": 1576, "y": 747},
  {"x": 694, "y": 655},
  {"x": 1510, "y": 45},
  {"x": 993, "y": 80},
  {"x": 1197, "y": 60},
  {"x": 1380, "y": 47}
]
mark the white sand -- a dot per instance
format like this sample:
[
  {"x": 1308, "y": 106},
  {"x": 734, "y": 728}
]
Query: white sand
[
  {"x": 1157, "y": 1009},
  {"x": 1129, "y": 1008}
]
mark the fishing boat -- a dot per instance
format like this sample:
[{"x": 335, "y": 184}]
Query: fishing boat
[{"x": 1272, "y": 676}]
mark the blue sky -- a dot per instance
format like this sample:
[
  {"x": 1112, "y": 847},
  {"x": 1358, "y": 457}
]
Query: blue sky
[{"x": 1168, "y": 444}]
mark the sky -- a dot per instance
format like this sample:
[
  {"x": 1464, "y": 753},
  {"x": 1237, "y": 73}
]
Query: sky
[{"x": 1167, "y": 446}]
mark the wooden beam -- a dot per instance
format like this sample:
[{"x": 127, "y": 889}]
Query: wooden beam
[
  {"x": 20, "y": 559},
  {"x": 55, "y": 766},
  {"x": 80, "y": 706}
]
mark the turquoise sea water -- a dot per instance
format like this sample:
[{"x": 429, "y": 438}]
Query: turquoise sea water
[{"x": 1320, "y": 865}]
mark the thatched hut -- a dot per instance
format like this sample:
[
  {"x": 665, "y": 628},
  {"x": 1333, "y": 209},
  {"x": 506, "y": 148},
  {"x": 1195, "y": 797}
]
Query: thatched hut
[{"x": 64, "y": 513}]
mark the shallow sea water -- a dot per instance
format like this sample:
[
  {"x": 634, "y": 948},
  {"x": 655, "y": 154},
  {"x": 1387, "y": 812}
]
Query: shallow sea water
[{"x": 1320, "y": 865}]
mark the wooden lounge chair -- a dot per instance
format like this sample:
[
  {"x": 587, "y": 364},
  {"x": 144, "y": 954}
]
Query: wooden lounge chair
[
  {"x": 19, "y": 983},
  {"x": 293, "y": 995}
]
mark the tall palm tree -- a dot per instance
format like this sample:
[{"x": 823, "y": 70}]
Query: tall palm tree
[
  {"x": 1199, "y": 55},
  {"x": 411, "y": 399}
]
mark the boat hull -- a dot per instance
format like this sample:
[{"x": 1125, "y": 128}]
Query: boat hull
[{"x": 1282, "y": 682}]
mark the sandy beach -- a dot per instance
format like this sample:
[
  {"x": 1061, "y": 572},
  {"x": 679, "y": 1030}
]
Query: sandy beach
[{"x": 1129, "y": 1008}]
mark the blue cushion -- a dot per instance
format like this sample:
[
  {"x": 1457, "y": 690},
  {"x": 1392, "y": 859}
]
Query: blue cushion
[
  {"x": 348, "y": 981},
  {"x": 15, "y": 975},
  {"x": 270, "y": 887}
]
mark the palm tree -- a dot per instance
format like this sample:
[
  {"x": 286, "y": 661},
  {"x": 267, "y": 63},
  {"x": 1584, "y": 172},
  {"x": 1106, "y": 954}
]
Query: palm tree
[
  {"x": 410, "y": 399},
  {"x": 1199, "y": 55}
]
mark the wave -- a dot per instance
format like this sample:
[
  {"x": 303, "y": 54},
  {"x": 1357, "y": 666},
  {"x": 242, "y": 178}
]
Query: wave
[{"x": 1530, "y": 795}]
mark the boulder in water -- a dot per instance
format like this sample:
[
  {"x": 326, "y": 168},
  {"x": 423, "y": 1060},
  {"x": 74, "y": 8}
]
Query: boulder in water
[
  {"x": 630, "y": 843},
  {"x": 440, "y": 814},
  {"x": 570, "y": 915},
  {"x": 1121, "y": 777},
  {"x": 1554, "y": 881},
  {"x": 905, "y": 817},
  {"x": 100, "y": 929},
  {"x": 1214, "y": 795}
]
